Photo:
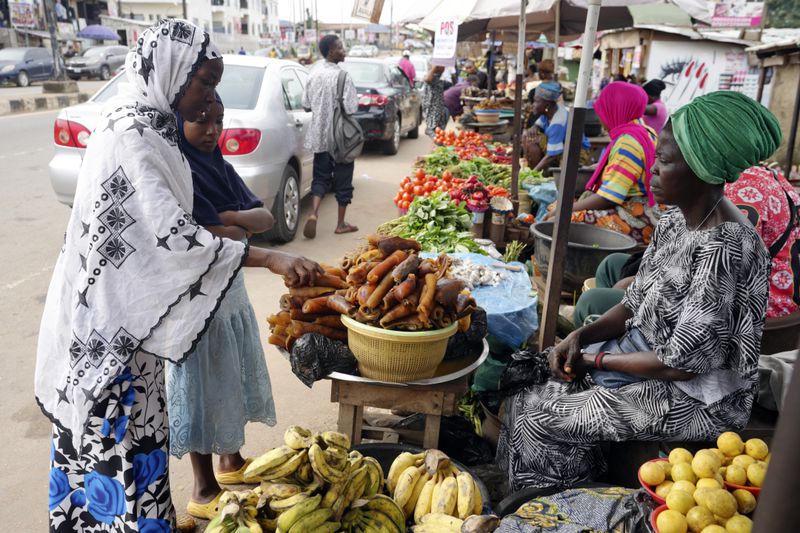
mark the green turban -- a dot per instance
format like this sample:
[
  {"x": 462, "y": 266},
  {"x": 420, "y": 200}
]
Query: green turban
[{"x": 723, "y": 133}]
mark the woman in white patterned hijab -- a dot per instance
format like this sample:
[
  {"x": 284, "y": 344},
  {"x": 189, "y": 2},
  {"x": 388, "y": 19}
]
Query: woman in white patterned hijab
[{"x": 136, "y": 282}]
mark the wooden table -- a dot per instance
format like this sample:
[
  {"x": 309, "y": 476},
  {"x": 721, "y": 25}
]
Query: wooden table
[{"x": 434, "y": 401}]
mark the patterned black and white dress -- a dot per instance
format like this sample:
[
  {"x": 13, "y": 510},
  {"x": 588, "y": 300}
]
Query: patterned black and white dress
[
  {"x": 699, "y": 299},
  {"x": 137, "y": 282}
]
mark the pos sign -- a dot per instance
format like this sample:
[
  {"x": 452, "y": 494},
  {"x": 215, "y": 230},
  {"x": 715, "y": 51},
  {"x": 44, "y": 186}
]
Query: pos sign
[{"x": 444, "y": 46}]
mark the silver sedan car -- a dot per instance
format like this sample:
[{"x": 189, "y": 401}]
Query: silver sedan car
[{"x": 265, "y": 125}]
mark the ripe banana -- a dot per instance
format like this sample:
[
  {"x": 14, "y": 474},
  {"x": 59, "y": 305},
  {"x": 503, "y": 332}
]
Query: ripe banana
[
  {"x": 478, "y": 509},
  {"x": 305, "y": 474},
  {"x": 400, "y": 464},
  {"x": 328, "y": 527},
  {"x": 353, "y": 490},
  {"x": 331, "y": 495},
  {"x": 288, "y": 518},
  {"x": 466, "y": 495},
  {"x": 405, "y": 485},
  {"x": 387, "y": 506},
  {"x": 272, "y": 489},
  {"x": 423, "y": 506},
  {"x": 320, "y": 465},
  {"x": 334, "y": 438},
  {"x": 434, "y": 528},
  {"x": 445, "y": 500},
  {"x": 297, "y": 438},
  {"x": 283, "y": 505},
  {"x": 311, "y": 521},
  {"x": 356, "y": 459},
  {"x": 382, "y": 521},
  {"x": 375, "y": 472},
  {"x": 442, "y": 520},
  {"x": 286, "y": 469},
  {"x": 408, "y": 508},
  {"x": 268, "y": 461},
  {"x": 337, "y": 457}
]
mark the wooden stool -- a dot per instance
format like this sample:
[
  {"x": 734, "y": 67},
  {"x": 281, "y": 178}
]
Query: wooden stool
[{"x": 434, "y": 401}]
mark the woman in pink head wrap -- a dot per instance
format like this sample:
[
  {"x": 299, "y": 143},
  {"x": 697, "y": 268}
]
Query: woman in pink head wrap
[{"x": 618, "y": 195}]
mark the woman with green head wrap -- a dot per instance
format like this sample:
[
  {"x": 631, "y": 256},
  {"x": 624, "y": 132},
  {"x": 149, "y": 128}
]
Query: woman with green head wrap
[{"x": 677, "y": 359}]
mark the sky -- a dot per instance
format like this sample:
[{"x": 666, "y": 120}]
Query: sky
[{"x": 339, "y": 10}]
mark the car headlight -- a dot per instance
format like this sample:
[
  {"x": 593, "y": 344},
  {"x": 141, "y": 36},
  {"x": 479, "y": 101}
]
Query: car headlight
[{"x": 7, "y": 68}]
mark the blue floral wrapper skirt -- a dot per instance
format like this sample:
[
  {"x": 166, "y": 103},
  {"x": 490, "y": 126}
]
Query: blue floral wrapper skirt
[{"x": 223, "y": 384}]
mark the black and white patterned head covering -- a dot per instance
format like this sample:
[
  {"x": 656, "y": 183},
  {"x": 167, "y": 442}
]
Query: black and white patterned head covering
[
  {"x": 166, "y": 58},
  {"x": 136, "y": 273}
]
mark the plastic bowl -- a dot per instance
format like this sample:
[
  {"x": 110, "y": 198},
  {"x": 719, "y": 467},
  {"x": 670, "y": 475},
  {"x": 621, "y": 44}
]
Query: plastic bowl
[
  {"x": 755, "y": 491},
  {"x": 654, "y": 516},
  {"x": 649, "y": 489}
]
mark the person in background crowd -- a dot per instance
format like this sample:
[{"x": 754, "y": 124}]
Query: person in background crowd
[
  {"x": 452, "y": 96},
  {"x": 655, "y": 114},
  {"x": 70, "y": 51},
  {"x": 224, "y": 384},
  {"x": 242, "y": 51},
  {"x": 618, "y": 196},
  {"x": 547, "y": 70},
  {"x": 407, "y": 67},
  {"x": 544, "y": 141},
  {"x": 321, "y": 98},
  {"x": 436, "y": 115},
  {"x": 471, "y": 70},
  {"x": 677, "y": 359}
]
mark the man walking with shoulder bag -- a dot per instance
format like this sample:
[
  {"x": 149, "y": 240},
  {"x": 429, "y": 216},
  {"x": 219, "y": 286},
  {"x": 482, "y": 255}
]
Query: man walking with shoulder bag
[{"x": 334, "y": 136}]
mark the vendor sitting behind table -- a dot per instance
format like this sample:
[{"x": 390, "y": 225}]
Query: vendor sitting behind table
[
  {"x": 677, "y": 359},
  {"x": 767, "y": 199},
  {"x": 452, "y": 96},
  {"x": 618, "y": 196},
  {"x": 544, "y": 140}
]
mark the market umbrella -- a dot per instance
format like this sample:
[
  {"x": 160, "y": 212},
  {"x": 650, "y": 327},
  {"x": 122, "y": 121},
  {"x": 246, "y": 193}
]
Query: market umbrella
[{"x": 98, "y": 33}]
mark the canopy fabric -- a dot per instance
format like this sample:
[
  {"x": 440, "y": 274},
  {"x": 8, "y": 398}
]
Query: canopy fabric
[{"x": 669, "y": 14}]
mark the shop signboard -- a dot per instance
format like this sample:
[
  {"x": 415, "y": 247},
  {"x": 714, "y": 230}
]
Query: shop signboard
[
  {"x": 736, "y": 13},
  {"x": 22, "y": 14},
  {"x": 368, "y": 9},
  {"x": 444, "y": 45}
]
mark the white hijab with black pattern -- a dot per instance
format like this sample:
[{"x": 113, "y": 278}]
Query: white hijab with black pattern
[{"x": 135, "y": 274}]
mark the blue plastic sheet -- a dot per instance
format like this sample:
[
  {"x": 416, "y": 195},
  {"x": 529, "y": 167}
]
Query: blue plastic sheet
[
  {"x": 542, "y": 195},
  {"x": 511, "y": 306}
]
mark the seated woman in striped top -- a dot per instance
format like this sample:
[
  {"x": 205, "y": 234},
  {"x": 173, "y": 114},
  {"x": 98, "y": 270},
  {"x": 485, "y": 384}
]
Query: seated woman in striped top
[{"x": 618, "y": 195}]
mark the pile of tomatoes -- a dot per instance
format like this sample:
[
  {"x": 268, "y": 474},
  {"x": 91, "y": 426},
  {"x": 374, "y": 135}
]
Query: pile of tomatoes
[
  {"x": 467, "y": 144},
  {"x": 423, "y": 184}
]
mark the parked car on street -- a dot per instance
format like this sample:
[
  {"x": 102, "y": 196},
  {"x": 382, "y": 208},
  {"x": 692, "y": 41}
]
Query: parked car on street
[
  {"x": 363, "y": 50},
  {"x": 265, "y": 126},
  {"x": 388, "y": 106},
  {"x": 421, "y": 65},
  {"x": 24, "y": 65},
  {"x": 96, "y": 62}
]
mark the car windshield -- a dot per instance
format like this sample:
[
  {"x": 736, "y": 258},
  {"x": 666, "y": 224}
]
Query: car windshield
[
  {"x": 364, "y": 72},
  {"x": 240, "y": 86},
  {"x": 110, "y": 90},
  {"x": 12, "y": 54},
  {"x": 93, "y": 52}
]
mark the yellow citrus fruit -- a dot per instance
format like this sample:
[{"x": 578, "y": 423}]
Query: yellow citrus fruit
[
  {"x": 670, "y": 521},
  {"x": 708, "y": 483},
  {"x": 756, "y": 473},
  {"x": 756, "y": 448},
  {"x": 666, "y": 466},
  {"x": 683, "y": 471},
  {"x": 699, "y": 518},
  {"x": 730, "y": 444},
  {"x": 721, "y": 503},
  {"x": 664, "y": 488},
  {"x": 651, "y": 473},
  {"x": 705, "y": 464},
  {"x": 718, "y": 453},
  {"x": 743, "y": 460},
  {"x": 739, "y": 524},
  {"x": 685, "y": 486},
  {"x": 736, "y": 474},
  {"x": 745, "y": 501},
  {"x": 714, "y": 528},
  {"x": 680, "y": 455},
  {"x": 680, "y": 501},
  {"x": 700, "y": 496}
]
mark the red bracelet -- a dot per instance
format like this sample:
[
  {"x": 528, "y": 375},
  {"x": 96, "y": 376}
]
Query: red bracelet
[{"x": 598, "y": 360}]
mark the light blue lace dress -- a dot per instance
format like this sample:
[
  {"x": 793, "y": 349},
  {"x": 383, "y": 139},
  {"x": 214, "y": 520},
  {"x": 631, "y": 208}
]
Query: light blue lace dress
[{"x": 223, "y": 384}]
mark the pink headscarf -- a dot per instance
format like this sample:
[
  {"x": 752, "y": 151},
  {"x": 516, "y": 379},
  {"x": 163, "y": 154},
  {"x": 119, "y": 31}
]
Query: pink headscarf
[{"x": 619, "y": 104}]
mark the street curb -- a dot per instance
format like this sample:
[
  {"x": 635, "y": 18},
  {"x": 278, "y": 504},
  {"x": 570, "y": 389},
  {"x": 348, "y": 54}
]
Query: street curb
[{"x": 44, "y": 102}]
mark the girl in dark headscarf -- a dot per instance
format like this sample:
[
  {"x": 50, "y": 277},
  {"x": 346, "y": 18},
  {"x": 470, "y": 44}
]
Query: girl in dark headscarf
[
  {"x": 655, "y": 114},
  {"x": 225, "y": 384}
]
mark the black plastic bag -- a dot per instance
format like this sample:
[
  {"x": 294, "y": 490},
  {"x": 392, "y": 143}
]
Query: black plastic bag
[
  {"x": 469, "y": 342},
  {"x": 525, "y": 368},
  {"x": 457, "y": 439},
  {"x": 314, "y": 356}
]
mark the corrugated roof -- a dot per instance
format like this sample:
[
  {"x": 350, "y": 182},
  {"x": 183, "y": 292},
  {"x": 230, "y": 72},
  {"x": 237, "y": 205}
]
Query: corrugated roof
[{"x": 774, "y": 47}]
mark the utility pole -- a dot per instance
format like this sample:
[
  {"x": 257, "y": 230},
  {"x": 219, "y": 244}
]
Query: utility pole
[
  {"x": 185, "y": 16},
  {"x": 50, "y": 16}
]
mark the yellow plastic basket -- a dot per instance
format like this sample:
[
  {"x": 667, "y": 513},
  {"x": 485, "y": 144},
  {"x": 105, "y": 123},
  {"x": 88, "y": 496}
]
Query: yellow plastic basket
[{"x": 397, "y": 356}]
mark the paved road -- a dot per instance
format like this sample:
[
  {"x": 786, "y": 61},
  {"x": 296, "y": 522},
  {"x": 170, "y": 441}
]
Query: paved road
[
  {"x": 12, "y": 91},
  {"x": 32, "y": 225}
]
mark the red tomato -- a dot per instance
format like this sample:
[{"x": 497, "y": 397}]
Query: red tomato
[
  {"x": 408, "y": 187},
  {"x": 419, "y": 190},
  {"x": 407, "y": 196},
  {"x": 420, "y": 173},
  {"x": 429, "y": 186},
  {"x": 404, "y": 204}
]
